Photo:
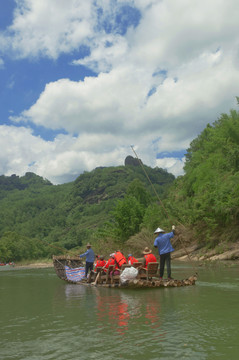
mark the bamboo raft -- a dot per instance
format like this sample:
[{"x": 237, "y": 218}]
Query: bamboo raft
[
  {"x": 146, "y": 280},
  {"x": 60, "y": 262}
]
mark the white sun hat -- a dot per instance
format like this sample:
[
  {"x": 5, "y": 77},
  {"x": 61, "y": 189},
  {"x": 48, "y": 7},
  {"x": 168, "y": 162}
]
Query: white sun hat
[{"x": 158, "y": 230}]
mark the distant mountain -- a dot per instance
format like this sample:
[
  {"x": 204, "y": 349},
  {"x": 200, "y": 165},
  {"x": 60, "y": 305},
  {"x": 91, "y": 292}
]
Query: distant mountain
[
  {"x": 8, "y": 183},
  {"x": 67, "y": 215}
]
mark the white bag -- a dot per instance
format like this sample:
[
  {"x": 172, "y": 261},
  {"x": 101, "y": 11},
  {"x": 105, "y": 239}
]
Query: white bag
[{"x": 128, "y": 273}]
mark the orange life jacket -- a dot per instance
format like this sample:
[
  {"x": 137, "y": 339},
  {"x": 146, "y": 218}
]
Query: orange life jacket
[
  {"x": 111, "y": 261},
  {"x": 100, "y": 263},
  {"x": 149, "y": 258},
  {"x": 119, "y": 259},
  {"x": 132, "y": 260}
]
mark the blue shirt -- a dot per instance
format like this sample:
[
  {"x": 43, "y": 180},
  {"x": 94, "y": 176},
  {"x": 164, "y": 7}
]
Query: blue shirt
[
  {"x": 90, "y": 255},
  {"x": 163, "y": 243}
]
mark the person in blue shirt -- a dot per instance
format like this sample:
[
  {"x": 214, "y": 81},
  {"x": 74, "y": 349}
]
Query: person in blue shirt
[
  {"x": 89, "y": 259},
  {"x": 163, "y": 243}
]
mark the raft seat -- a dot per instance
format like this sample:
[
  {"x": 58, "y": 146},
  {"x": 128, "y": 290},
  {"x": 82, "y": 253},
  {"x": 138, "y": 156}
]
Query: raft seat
[
  {"x": 105, "y": 276},
  {"x": 151, "y": 271},
  {"x": 124, "y": 266},
  {"x": 93, "y": 274},
  {"x": 115, "y": 278},
  {"x": 137, "y": 264}
]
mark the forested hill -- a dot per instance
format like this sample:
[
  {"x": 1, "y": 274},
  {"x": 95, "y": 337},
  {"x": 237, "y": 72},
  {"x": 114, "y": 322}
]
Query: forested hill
[
  {"x": 34, "y": 213},
  {"x": 13, "y": 182},
  {"x": 206, "y": 198},
  {"x": 116, "y": 205}
]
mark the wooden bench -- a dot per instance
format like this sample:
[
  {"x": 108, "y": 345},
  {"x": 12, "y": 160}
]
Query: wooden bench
[
  {"x": 93, "y": 274},
  {"x": 124, "y": 266},
  {"x": 137, "y": 264},
  {"x": 151, "y": 271},
  {"x": 105, "y": 275}
]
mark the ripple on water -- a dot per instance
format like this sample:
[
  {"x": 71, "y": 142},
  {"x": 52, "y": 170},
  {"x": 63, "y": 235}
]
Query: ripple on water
[
  {"x": 71, "y": 322},
  {"x": 220, "y": 285}
]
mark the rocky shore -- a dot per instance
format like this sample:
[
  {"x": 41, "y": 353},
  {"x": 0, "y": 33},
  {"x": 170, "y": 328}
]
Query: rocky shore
[
  {"x": 193, "y": 252},
  {"x": 196, "y": 253}
]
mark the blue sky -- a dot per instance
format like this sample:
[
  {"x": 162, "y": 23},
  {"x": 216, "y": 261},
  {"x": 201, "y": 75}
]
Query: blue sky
[{"x": 82, "y": 81}]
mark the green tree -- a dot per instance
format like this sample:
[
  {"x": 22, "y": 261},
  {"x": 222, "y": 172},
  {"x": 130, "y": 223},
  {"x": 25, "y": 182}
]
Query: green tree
[
  {"x": 207, "y": 196},
  {"x": 128, "y": 215},
  {"x": 137, "y": 189},
  {"x": 14, "y": 247}
]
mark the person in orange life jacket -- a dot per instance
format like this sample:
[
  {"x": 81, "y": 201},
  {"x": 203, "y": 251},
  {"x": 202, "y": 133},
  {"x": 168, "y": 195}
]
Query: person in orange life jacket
[
  {"x": 111, "y": 261},
  {"x": 162, "y": 242},
  {"x": 119, "y": 259},
  {"x": 148, "y": 257},
  {"x": 131, "y": 259},
  {"x": 100, "y": 263}
]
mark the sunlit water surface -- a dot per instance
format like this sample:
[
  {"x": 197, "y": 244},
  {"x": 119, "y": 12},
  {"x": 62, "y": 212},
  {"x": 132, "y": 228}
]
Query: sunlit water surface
[{"x": 43, "y": 317}]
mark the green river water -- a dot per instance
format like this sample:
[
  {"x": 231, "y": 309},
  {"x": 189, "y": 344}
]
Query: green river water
[{"x": 43, "y": 317}]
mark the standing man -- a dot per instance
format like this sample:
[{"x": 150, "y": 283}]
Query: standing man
[
  {"x": 89, "y": 259},
  {"x": 162, "y": 242}
]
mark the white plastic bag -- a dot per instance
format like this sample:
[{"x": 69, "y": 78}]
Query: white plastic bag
[{"x": 128, "y": 273}]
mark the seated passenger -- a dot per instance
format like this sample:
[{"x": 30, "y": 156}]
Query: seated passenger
[
  {"x": 131, "y": 259},
  {"x": 100, "y": 263},
  {"x": 119, "y": 259},
  {"x": 111, "y": 261},
  {"x": 148, "y": 257}
]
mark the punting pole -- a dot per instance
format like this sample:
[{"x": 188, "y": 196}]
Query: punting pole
[{"x": 141, "y": 164}]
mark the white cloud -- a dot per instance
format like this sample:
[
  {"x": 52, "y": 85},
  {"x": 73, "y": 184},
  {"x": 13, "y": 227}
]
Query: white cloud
[
  {"x": 103, "y": 56},
  {"x": 172, "y": 165},
  {"x": 19, "y": 148},
  {"x": 48, "y": 28},
  {"x": 117, "y": 103},
  {"x": 59, "y": 161},
  {"x": 157, "y": 87}
]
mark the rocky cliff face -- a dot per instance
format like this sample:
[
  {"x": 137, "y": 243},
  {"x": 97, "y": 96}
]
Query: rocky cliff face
[{"x": 130, "y": 160}]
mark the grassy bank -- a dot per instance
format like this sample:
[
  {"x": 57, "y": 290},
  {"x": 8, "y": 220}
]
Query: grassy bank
[{"x": 40, "y": 263}]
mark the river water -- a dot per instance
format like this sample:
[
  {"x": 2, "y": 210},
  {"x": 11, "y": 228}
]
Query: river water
[{"x": 43, "y": 317}]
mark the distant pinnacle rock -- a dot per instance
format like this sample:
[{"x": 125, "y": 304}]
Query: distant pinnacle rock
[{"x": 130, "y": 160}]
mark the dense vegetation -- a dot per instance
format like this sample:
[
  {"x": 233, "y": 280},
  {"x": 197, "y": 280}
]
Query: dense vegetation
[
  {"x": 117, "y": 205},
  {"x": 38, "y": 219},
  {"x": 207, "y": 196}
]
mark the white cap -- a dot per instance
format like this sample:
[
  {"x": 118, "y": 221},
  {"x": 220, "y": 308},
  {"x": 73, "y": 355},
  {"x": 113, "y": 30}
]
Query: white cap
[{"x": 158, "y": 230}]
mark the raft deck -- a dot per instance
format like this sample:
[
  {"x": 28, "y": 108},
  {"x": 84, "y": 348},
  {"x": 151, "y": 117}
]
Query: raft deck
[{"x": 149, "y": 279}]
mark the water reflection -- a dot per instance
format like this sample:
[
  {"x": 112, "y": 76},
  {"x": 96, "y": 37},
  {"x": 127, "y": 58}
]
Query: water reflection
[
  {"x": 122, "y": 309},
  {"x": 74, "y": 291},
  {"x": 43, "y": 318}
]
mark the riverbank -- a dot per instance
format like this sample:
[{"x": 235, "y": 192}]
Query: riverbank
[
  {"x": 35, "y": 265},
  {"x": 222, "y": 252},
  {"x": 193, "y": 252}
]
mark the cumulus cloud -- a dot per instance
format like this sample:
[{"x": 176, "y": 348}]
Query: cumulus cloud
[
  {"x": 15, "y": 156},
  {"x": 164, "y": 69},
  {"x": 43, "y": 28},
  {"x": 172, "y": 165},
  {"x": 59, "y": 161}
]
